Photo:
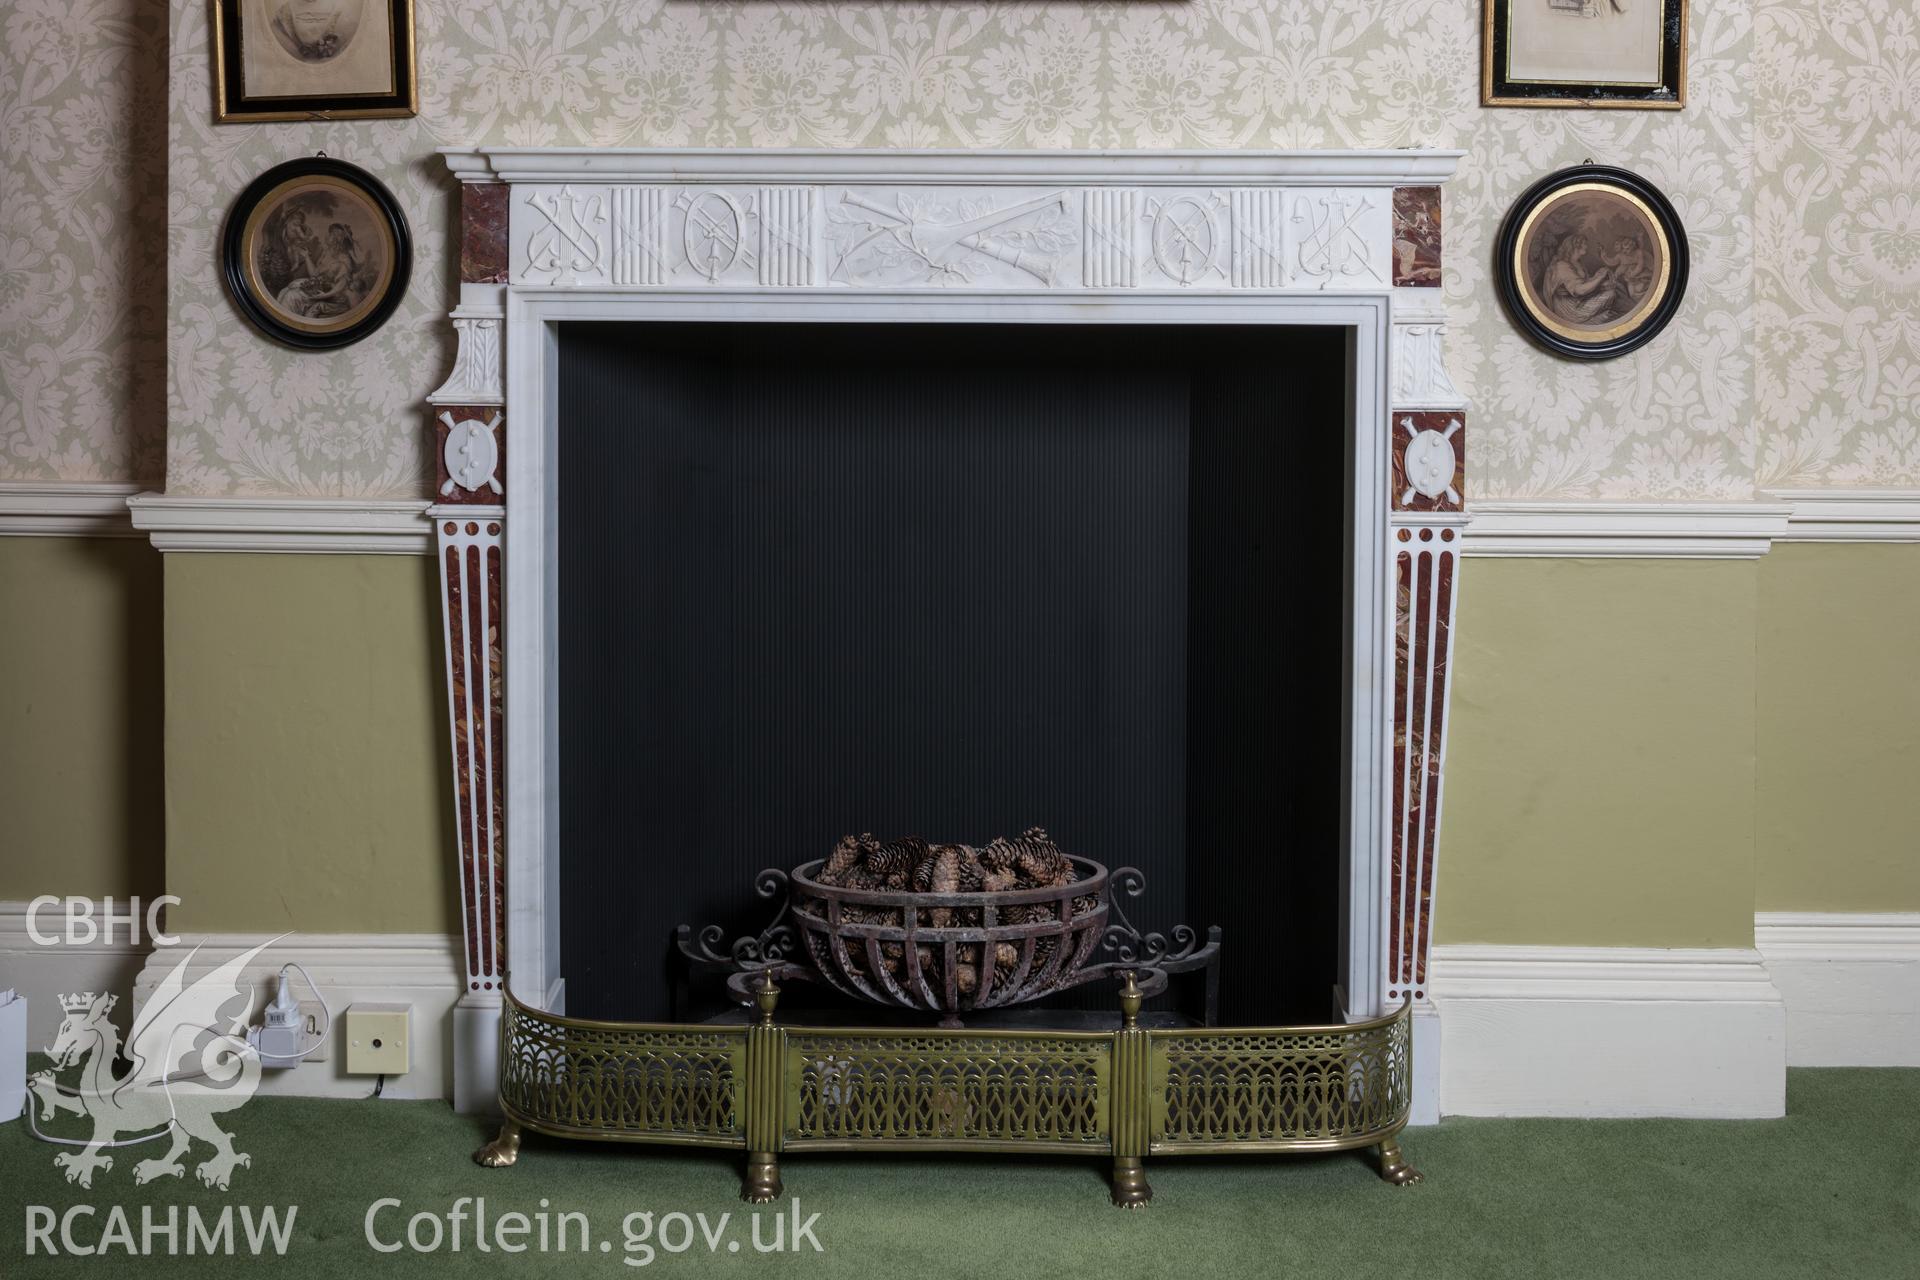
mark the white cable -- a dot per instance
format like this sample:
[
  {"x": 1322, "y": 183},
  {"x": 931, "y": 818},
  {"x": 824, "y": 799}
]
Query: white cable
[{"x": 320, "y": 1036}]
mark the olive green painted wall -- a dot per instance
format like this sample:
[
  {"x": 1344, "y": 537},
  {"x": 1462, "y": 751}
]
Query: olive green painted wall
[
  {"x": 307, "y": 785},
  {"x": 80, "y": 682},
  {"x": 1839, "y": 728},
  {"x": 1745, "y": 731},
  {"x": 1600, "y": 767}
]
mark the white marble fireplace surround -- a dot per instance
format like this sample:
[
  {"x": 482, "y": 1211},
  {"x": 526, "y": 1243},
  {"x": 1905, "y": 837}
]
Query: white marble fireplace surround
[{"x": 1339, "y": 238}]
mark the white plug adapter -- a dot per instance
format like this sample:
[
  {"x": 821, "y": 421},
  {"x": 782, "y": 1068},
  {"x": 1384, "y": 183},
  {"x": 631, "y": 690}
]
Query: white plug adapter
[{"x": 281, "y": 1040}]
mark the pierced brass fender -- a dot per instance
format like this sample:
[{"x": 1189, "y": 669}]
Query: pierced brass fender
[{"x": 1129, "y": 1094}]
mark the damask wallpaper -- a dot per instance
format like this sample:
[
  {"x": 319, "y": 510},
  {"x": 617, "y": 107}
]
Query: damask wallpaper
[
  {"x": 83, "y": 177},
  {"x": 1837, "y": 232},
  {"x": 1836, "y": 256}
]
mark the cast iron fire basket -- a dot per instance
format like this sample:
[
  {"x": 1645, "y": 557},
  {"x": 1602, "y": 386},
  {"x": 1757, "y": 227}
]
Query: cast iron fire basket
[{"x": 950, "y": 953}]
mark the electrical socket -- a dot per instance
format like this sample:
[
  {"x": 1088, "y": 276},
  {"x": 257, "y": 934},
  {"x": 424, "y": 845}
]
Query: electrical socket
[{"x": 313, "y": 1017}]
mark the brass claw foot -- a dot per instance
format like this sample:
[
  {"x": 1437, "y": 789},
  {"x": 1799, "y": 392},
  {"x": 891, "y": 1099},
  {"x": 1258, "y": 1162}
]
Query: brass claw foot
[
  {"x": 1394, "y": 1167},
  {"x": 503, "y": 1150},
  {"x": 762, "y": 1181},
  {"x": 1130, "y": 1189}
]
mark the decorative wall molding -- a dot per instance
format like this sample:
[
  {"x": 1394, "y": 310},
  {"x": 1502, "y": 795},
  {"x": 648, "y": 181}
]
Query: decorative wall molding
[
  {"x": 1851, "y": 983},
  {"x": 1609, "y": 1031},
  {"x": 1625, "y": 530},
  {"x": 417, "y": 969},
  {"x": 1850, "y": 515},
  {"x": 65, "y": 509},
  {"x": 42, "y": 974},
  {"x": 358, "y": 526},
  {"x": 1498, "y": 529}
]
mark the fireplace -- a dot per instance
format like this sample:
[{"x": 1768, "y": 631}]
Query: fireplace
[
  {"x": 687, "y": 379},
  {"x": 954, "y": 580}
]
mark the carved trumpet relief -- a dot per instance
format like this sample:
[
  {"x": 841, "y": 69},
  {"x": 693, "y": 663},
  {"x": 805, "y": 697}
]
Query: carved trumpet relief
[
  {"x": 1340, "y": 238},
  {"x": 565, "y": 238},
  {"x": 931, "y": 236}
]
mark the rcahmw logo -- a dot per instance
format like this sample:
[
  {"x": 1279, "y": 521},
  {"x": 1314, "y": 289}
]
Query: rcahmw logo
[
  {"x": 162, "y": 1230},
  {"x": 189, "y": 1065}
]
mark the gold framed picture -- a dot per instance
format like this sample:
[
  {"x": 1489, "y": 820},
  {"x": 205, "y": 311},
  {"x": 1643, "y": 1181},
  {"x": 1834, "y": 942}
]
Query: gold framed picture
[
  {"x": 1591, "y": 262},
  {"x": 316, "y": 253},
  {"x": 1584, "y": 53},
  {"x": 313, "y": 60}
]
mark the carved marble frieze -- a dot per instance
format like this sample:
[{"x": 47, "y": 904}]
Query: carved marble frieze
[{"x": 922, "y": 236}]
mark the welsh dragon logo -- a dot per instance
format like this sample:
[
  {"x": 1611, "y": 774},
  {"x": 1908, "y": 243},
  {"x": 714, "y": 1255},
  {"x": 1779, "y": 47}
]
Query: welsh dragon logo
[{"x": 182, "y": 1066}]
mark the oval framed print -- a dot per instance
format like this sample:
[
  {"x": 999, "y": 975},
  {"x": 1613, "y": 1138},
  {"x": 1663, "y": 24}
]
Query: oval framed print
[
  {"x": 316, "y": 253},
  {"x": 1591, "y": 262}
]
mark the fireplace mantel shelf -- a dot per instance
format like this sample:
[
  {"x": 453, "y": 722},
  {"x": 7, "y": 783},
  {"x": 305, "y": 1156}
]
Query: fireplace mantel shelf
[{"x": 937, "y": 166}]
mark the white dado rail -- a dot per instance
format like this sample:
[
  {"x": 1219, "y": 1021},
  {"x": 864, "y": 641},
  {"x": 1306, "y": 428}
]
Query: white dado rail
[{"x": 1341, "y": 238}]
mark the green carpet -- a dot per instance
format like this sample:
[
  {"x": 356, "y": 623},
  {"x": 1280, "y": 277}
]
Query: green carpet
[{"x": 1832, "y": 1190}]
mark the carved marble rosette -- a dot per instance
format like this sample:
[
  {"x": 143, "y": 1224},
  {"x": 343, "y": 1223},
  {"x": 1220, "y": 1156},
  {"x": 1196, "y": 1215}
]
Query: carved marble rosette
[{"x": 1335, "y": 237}]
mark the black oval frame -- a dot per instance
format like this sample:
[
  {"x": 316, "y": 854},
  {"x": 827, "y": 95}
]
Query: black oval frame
[
  {"x": 233, "y": 269},
  {"x": 1506, "y": 245}
]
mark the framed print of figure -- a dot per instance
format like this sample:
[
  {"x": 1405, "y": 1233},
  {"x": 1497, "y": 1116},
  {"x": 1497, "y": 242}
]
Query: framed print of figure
[
  {"x": 313, "y": 60},
  {"x": 316, "y": 253},
  {"x": 1591, "y": 262},
  {"x": 1584, "y": 53}
]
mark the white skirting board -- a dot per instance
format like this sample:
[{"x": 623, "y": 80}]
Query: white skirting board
[
  {"x": 1608, "y": 1031},
  {"x": 1851, "y": 982},
  {"x": 421, "y": 970},
  {"x": 45, "y": 973}
]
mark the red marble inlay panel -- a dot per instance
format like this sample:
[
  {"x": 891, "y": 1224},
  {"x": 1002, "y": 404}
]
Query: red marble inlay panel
[
  {"x": 1403, "y": 567},
  {"x": 1434, "y": 477},
  {"x": 497, "y": 755},
  {"x": 462, "y": 753},
  {"x": 476, "y": 685},
  {"x": 1416, "y": 237},
  {"x": 483, "y": 233},
  {"x": 491, "y": 487},
  {"x": 1424, "y": 584}
]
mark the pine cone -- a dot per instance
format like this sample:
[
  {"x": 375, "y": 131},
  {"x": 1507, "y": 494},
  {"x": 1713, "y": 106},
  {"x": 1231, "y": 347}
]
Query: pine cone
[
  {"x": 844, "y": 858},
  {"x": 1040, "y": 860},
  {"x": 894, "y": 861}
]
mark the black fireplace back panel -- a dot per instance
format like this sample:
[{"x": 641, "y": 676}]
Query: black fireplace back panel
[{"x": 952, "y": 581}]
